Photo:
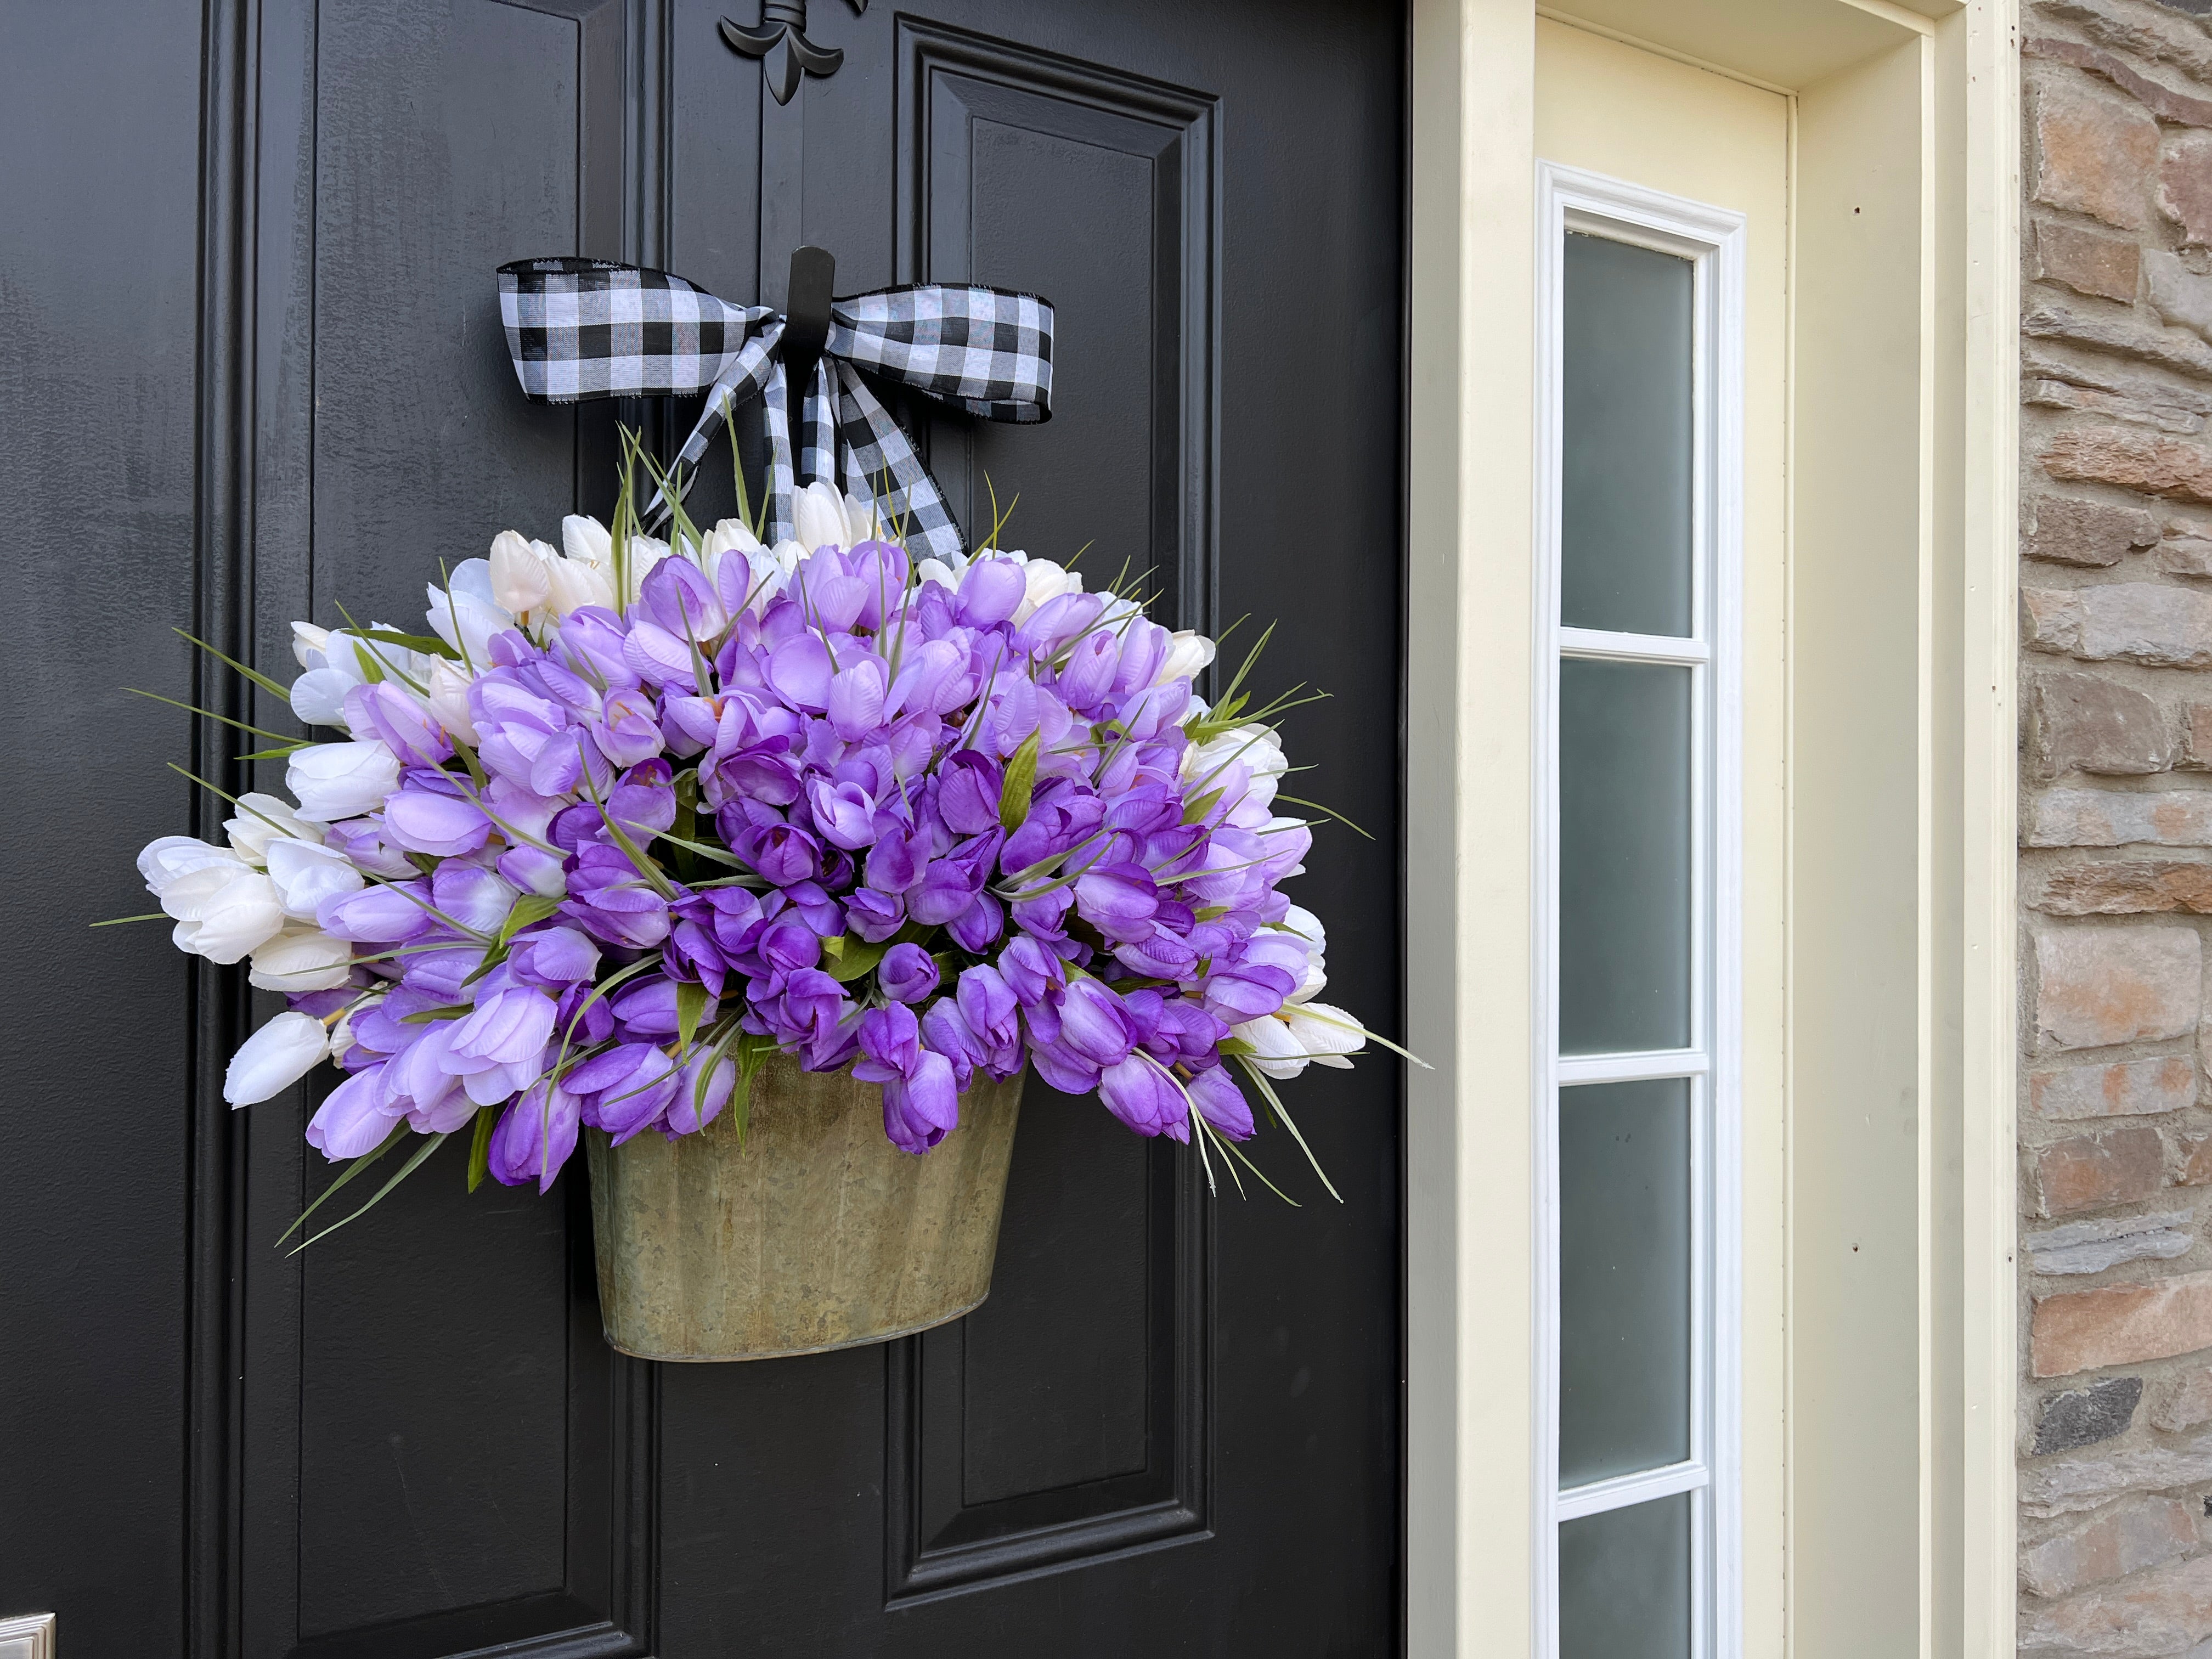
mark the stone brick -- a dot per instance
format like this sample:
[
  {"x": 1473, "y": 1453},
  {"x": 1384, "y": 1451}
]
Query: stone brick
[
  {"x": 2108, "y": 818},
  {"x": 2134, "y": 1088},
  {"x": 2050, "y": 618},
  {"x": 2093, "y": 153},
  {"x": 2196, "y": 736},
  {"x": 2148, "y": 1533},
  {"x": 2063, "y": 394},
  {"x": 2134, "y": 460},
  {"x": 2083, "y": 1416},
  {"x": 2147, "y": 623},
  {"x": 2083, "y": 722},
  {"x": 2128, "y": 887},
  {"x": 2125, "y": 335},
  {"x": 2185, "y": 555},
  {"x": 2179, "y": 295},
  {"x": 2164, "y": 1611},
  {"x": 2087, "y": 1172},
  {"x": 2179, "y": 107},
  {"x": 2100, "y": 371},
  {"x": 2185, "y": 1403},
  {"x": 2184, "y": 186},
  {"x": 2083, "y": 1483},
  {"x": 2098, "y": 986},
  {"x": 2091, "y": 1247},
  {"x": 2144, "y": 32},
  {"x": 2086, "y": 262},
  {"x": 2122, "y": 1325},
  {"x": 2195, "y": 1161},
  {"x": 2061, "y": 530}
]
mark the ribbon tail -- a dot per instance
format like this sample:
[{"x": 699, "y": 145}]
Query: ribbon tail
[
  {"x": 882, "y": 466},
  {"x": 743, "y": 380},
  {"x": 775, "y": 404}
]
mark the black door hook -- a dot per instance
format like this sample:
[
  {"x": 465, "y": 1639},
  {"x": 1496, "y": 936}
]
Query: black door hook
[{"x": 806, "y": 316}]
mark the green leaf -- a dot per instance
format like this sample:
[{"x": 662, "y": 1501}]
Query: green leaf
[
  {"x": 480, "y": 1147},
  {"x": 253, "y": 674},
  {"x": 352, "y": 1170},
  {"x": 530, "y": 907},
  {"x": 1204, "y": 803},
  {"x": 690, "y": 1007},
  {"x": 834, "y": 948},
  {"x": 275, "y": 754},
  {"x": 116, "y": 922},
  {"x": 423, "y": 1017},
  {"x": 855, "y": 958},
  {"x": 372, "y": 670},
  {"x": 429, "y": 643},
  {"x": 1020, "y": 785},
  {"x": 720, "y": 854},
  {"x": 431, "y": 1143}
]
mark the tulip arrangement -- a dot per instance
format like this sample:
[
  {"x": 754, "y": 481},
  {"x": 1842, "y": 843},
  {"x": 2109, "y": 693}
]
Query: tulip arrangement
[{"x": 634, "y": 815}]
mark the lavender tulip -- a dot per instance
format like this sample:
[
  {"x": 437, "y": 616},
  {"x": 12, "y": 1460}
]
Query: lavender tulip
[
  {"x": 907, "y": 973},
  {"x": 1143, "y": 1097},
  {"x": 535, "y": 1136}
]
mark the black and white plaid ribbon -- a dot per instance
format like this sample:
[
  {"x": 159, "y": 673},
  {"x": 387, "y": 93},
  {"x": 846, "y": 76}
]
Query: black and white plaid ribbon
[{"x": 589, "y": 328}]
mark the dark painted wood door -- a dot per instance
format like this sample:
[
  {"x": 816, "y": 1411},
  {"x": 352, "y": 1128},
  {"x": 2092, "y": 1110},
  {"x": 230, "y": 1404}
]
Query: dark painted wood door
[{"x": 1173, "y": 1428}]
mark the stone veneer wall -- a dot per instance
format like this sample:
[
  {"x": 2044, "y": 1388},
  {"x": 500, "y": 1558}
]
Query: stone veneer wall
[{"x": 2116, "y": 831}]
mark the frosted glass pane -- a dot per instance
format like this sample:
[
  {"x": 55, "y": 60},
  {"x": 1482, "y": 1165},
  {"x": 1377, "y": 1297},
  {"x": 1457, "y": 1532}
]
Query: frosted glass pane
[
  {"x": 1624, "y": 1583},
  {"x": 1626, "y": 430},
  {"x": 1624, "y": 1278},
  {"x": 1624, "y": 857}
]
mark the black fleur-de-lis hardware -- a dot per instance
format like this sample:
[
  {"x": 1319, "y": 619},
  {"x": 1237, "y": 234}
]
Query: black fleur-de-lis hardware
[{"x": 780, "y": 41}]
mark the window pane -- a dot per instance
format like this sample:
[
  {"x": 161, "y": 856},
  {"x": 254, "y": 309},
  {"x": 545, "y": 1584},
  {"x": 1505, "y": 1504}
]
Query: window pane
[
  {"x": 1624, "y": 1583},
  {"x": 1626, "y": 430},
  {"x": 1624, "y": 1278},
  {"x": 1624, "y": 857}
]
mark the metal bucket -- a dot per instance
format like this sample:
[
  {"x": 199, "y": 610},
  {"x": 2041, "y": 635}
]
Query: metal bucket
[{"x": 818, "y": 1233}]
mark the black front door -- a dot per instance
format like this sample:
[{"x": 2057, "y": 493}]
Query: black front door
[{"x": 1174, "y": 1426}]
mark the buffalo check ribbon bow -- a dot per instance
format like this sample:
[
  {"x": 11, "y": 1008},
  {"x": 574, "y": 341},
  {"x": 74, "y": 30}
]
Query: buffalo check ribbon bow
[{"x": 589, "y": 328}]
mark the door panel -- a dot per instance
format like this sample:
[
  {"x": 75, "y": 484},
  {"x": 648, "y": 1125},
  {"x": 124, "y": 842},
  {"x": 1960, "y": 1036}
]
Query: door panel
[{"x": 1174, "y": 1425}]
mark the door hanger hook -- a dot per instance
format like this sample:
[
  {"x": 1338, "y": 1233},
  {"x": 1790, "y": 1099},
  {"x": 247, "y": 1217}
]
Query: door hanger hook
[{"x": 807, "y": 314}]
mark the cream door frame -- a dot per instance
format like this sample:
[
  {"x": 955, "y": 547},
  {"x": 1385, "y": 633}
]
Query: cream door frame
[{"x": 1914, "y": 110}]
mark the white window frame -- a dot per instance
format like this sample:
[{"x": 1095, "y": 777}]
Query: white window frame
[{"x": 1713, "y": 239}]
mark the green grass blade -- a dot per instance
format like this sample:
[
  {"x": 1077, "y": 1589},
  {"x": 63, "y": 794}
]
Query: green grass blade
[
  {"x": 253, "y": 674},
  {"x": 431, "y": 1143},
  {"x": 351, "y": 1170}
]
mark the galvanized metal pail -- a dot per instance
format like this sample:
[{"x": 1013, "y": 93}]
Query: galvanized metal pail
[{"x": 816, "y": 1233}]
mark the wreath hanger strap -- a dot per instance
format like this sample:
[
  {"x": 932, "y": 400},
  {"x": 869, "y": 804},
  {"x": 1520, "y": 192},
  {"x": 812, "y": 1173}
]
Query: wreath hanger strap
[{"x": 578, "y": 329}]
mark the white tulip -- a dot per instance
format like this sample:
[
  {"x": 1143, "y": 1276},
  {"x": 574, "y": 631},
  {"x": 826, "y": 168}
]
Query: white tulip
[
  {"x": 309, "y": 642},
  {"x": 342, "y": 1033},
  {"x": 936, "y": 570},
  {"x": 730, "y": 536},
  {"x": 449, "y": 700},
  {"x": 817, "y": 512},
  {"x": 518, "y": 581},
  {"x": 1326, "y": 1033},
  {"x": 337, "y": 661},
  {"x": 222, "y": 913},
  {"x": 1189, "y": 654},
  {"x": 464, "y": 614},
  {"x": 788, "y": 554},
  {"x": 1045, "y": 581},
  {"x": 301, "y": 959},
  {"x": 168, "y": 860},
  {"x": 306, "y": 874},
  {"x": 274, "y": 1057},
  {"x": 572, "y": 584},
  {"x": 641, "y": 554},
  {"x": 335, "y": 781},
  {"x": 1252, "y": 747},
  {"x": 319, "y": 696},
  {"x": 587, "y": 541},
  {"x": 263, "y": 818}
]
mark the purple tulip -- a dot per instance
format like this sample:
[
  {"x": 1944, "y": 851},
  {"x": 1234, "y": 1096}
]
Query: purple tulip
[
  {"x": 697, "y": 1104},
  {"x": 1144, "y": 1097},
  {"x": 470, "y": 894},
  {"x": 874, "y": 916},
  {"x": 856, "y": 699},
  {"x": 979, "y": 925},
  {"x": 624, "y": 1090},
  {"x": 508, "y": 1028},
  {"x": 363, "y": 843},
  {"x": 407, "y": 728},
  {"x": 1094, "y": 1024},
  {"x": 552, "y": 958},
  {"x": 947, "y": 888},
  {"x": 352, "y": 1120},
  {"x": 440, "y": 824},
  {"x": 678, "y": 597},
  {"x": 967, "y": 792},
  {"x": 921, "y": 1111},
  {"x": 843, "y": 813},
  {"x": 612, "y": 903},
  {"x": 1088, "y": 674},
  {"x": 991, "y": 592},
  {"x": 383, "y": 915},
  {"x": 535, "y": 1138},
  {"x": 1119, "y": 900},
  {"x": 1219, "y": 1101},
  {"x": 907, "y": 973},
  {"x": 627, "y": 732}
]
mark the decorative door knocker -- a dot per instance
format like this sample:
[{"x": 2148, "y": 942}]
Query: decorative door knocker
[{"x": 780, "y": 41}]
